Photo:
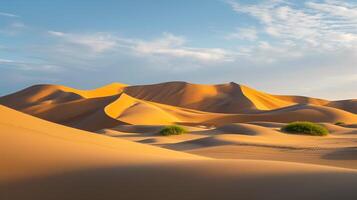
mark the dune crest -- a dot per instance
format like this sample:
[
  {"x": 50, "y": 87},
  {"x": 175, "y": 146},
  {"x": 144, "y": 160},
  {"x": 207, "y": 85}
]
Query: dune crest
[
  {"x": 172, "y": 103},
  {"x": 127, "y": 109}
]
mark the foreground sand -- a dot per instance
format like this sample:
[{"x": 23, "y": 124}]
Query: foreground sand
[
  {"x": 256, "y": 140},
  {"x": 43, "y": 160}
]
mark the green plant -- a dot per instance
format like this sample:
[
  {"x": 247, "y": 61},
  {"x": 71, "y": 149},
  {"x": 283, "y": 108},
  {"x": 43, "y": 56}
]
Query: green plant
[
  {"x": 306, "y": 128},
  {"x": 340, "y": 123},
  {"x": 172, "y": 130}
]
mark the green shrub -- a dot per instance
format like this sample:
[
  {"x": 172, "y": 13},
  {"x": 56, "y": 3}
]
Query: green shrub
[
  {"x": 172, "y": 130},
  {"x": 339, "y": 123},
  {"x": 306, "y": 128}
]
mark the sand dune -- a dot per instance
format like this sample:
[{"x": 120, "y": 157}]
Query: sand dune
[
  {"x": 40, "y": 146},
  {"x": 65, "y": 105},
  {"x": 43, "y": 160},
  {"x": 141, "y": 112},
  {"x": 172, "y": 103},
  {"x": 349, "y": 105},
  {"x": 234, "y": 148},
  {"x": 223, "y": 98},
  {"x": 299, "y": 112},
  {"x": 247, "y": 129},
  {"x": 128, "y": 109}
]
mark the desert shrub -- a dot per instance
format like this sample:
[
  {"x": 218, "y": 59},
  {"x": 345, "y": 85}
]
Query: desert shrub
[
  {"x": 306, "y": 128},
  {"x": 340, "y": 123},
  {"x": 172, "y": 130}
]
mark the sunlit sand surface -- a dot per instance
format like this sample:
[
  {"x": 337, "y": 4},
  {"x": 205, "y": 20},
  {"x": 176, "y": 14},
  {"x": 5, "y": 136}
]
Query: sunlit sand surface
[{"x": 63, "y": 143}]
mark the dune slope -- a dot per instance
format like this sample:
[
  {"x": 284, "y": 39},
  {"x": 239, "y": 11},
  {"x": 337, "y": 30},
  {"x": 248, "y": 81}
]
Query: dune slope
[
  {"x": 42, "y": 160},
  {"x": 172, "y": 103},
  {"x": 66, "y": 105}
]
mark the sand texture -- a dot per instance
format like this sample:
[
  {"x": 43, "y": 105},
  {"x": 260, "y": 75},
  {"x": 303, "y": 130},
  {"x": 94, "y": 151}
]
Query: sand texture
[{"x": 60, "y": 143}]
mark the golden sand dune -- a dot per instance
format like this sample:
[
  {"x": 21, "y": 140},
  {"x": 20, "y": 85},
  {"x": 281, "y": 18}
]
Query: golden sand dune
[
  {"x": 213, "y": 98},
  {"x": 172, "y": 103},
  {"x": 299, "y": 112},
  {"x": 223, "y": 98},
  {"x": 49, "y": 94},
  {"x": 65, "y": 105},
  {"x": 43, "y": 160},
  {"x": 128, "y": 109},
  {"x": 247, "y": 129},
  {"x": 349, "y": 105}
]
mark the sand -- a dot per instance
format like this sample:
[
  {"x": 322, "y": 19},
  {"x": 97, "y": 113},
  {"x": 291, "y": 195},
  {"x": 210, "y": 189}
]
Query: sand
[
  {"x": 172, "y": 103},
  {"x": 43, "y": 160},
  {"x": 234, "y": 148},
  {"x": 256, "y": 140}
]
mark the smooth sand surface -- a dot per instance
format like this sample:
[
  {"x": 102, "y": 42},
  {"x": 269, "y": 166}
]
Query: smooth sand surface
[
  {"x": 43, "y": 160},
  {"x": 256, "y": 140}
]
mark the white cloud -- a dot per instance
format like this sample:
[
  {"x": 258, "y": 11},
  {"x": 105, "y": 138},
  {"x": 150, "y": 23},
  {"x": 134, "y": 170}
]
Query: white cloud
[
  {"x": 171, "y": 45},
  {"x": 264, "y": 53},
  {"x": 17, "y": 25},
  {"x": 325, "y": 25},
  {"x": 28, "y": 66},
  {"x": 13, "y": 28},
  {"x": 2, "y": 61},
  {"x": 166, "y": 47},
  {"x": 243, "y": 34},
  {"x": 5, "y": 14},
  {"x": 98, "y": 42},
  {"x": 338, "y": 9},
  {"x": 56, "y": 33}
]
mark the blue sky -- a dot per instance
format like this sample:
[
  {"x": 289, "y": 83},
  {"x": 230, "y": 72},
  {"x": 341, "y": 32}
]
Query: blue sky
[{"x": 279, "y": 46}]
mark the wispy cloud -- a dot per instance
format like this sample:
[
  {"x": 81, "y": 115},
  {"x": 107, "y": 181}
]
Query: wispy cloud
[
  {"x": 98, "y": 42},
  {"x": 13, "y": 28},
  {"x": 327, "y": 25},
  {"x": 168, "y": 45},
  {"x": 244, "y": 34},
  {"x": 5, "y": 14},
  {"x": 28, "y": 66},
  {"x": 339, "y": 9},
  {"x": 171, "y": 45}
]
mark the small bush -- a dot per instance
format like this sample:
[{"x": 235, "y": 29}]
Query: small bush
[
  {"x": 306, "y": 128},
  {"x": 172, "y": 130},
  {"x": 340, "y": 123}
]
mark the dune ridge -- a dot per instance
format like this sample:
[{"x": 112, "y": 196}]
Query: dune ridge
[{"x": 172, "y": 103}]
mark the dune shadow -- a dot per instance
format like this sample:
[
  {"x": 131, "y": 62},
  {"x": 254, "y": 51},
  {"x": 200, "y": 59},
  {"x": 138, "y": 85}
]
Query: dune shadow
[
  {"x": 349, "y": 153},
  {"x": 189, "y": 181},
  {"x": 196, "y": 144}
]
